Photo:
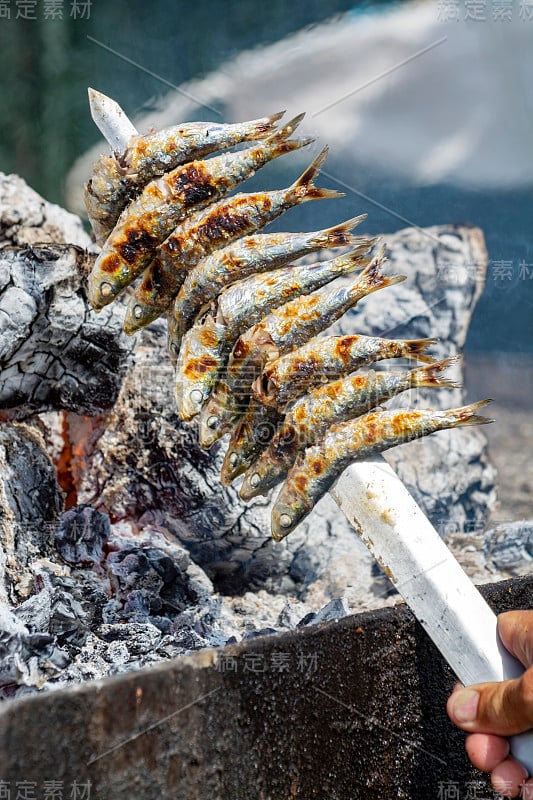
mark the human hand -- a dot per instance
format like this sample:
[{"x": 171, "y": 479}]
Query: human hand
[{"x": 490, "y": 712}]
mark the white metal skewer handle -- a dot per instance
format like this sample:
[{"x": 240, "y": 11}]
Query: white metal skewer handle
[
  {"x": 111, "y": 120},
  {"x": 431, "y": 581},
  {"x": 401, "y": 538}
]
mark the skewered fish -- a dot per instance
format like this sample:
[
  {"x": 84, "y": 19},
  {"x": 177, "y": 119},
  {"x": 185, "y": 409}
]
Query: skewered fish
[
  {"x": 119, "y": 177},
  {"x": 164, "y": 202},
  {"x": 311, "y": 416},
  {"x": 317, "y": 468},
  {"x": 206, "y": 346},
  {"x": 206, "y": 231},
  {"x": 244, "y": 323},
  {"x": 322, "y": 360}
]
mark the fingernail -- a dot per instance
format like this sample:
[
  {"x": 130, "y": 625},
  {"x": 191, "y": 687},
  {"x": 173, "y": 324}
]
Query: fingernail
[{"x": 465, "y": 705}]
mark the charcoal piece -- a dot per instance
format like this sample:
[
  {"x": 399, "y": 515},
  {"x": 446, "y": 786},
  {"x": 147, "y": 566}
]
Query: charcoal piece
[
  {"x": 141, "y": 638},
  {"x": 335, "y": 609},
  {"x": 57, "y": 613},
  {"x": 81, "y": 535},
  {"x": 27, "y": 660},
  {"x": 509, "y": 547},
  {"x": 55, "y": 353},
  {"x": 26, "y": 218},
  {"x": 138, "y": 605},
  {"x": 68, "y": 621},
  {"x": 187, "y": 640},
  {"x": 148, "y": 575},
  {"x": 36, "y": 611},
  {"x": 30, "y": 505}
]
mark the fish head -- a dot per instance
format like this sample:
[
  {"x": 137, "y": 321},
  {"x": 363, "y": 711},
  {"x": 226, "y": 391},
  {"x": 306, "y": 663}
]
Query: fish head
[
  {"x": 286, "y": 515},
  {"x": 138, "y": 315},
  {"x": 108, "y": 277},
  {"x": 194, "y": 383},
  {"x": 190, "y": 400},
  {"x": 259, "y": 479},
  {"x": 248, "y": 438},
  {"x": 217, "y": 417},
  {"x": 234, "y": 464}
]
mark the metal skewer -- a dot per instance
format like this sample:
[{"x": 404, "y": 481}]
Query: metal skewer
[
  {"x": 401, "y": 538},
  {"x": 111, "y": 120}
]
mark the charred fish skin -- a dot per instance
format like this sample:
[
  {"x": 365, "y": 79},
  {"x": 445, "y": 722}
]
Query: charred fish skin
[
  {"x": 317, "y": 468},
  {"x": 203, "y": 356},
  {"x": 297, "y": 321},
  {"x": 251, "y": 435},
  {"x": 164, "y": 202},
  {"x": 155, "y": 153},
  {"x": 118, "y": 177},
  {"x": 328, "y": 358},
  {"x": 310, "y": 417},
  {"x": 197, "y": 366},
  {"x": 281, "y": 331},
  {"x": 245, "y": 305},
  {"x": 209, "y": 230},
  {"x": 246, "y": 302},
  {"x": 248, "y": 256}
]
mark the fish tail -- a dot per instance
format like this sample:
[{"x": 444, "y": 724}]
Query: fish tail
[
  {"x": 351, "y": 262},
  {"x": 289, "y": 128},
  {"x": 339, "y": 235},
  {"x": 431, "y": 375},
  {"x": 373, "y": 279},
  {"x": 277, "y": 140},
  {"x": 262, "y": 128},
  {"x": 303, "y": 189},
  {"x": 415, "y": 348},
  {"x": 467, "y": 415},
  {"x": 270, "y": 121}
]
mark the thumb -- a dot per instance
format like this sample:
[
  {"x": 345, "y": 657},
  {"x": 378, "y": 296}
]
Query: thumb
[{"x": 503, "y": 708}]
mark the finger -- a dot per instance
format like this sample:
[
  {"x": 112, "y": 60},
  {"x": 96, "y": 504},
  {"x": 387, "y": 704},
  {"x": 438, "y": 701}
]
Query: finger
[
  {"x": 486, "y": 751},
  {"x": 502, "y": 708},
  {"x": 508, "y": 778},
  {"x": 516, "y": 632}
]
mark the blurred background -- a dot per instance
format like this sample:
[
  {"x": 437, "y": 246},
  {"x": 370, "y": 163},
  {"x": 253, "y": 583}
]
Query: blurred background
[{"x": 427, "y": 108}]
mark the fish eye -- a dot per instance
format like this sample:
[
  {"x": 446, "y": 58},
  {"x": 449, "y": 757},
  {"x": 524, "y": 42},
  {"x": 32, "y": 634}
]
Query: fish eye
[
  {"x": 285, "y": 520},
  {"x": 137, "y": 312},
  {"x": 233, "y": 459},
  {"x": 254, "y": 480},
  {"x": 212, "y": 422},
  {"x": 105, "y": 289},
  {"x": 196, "y": 396}
]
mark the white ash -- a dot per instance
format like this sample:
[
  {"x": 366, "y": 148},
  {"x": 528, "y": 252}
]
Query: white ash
[
  {"x": 509, "y": 548},
  {"x": 27, "y": 219},
  {"x": 55, "y": 353},
  {"x": 142, "y": 601}
]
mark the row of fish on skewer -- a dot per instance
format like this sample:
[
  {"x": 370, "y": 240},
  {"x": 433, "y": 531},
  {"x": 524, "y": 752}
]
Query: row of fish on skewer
[{"x": 246, "y": 315}]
